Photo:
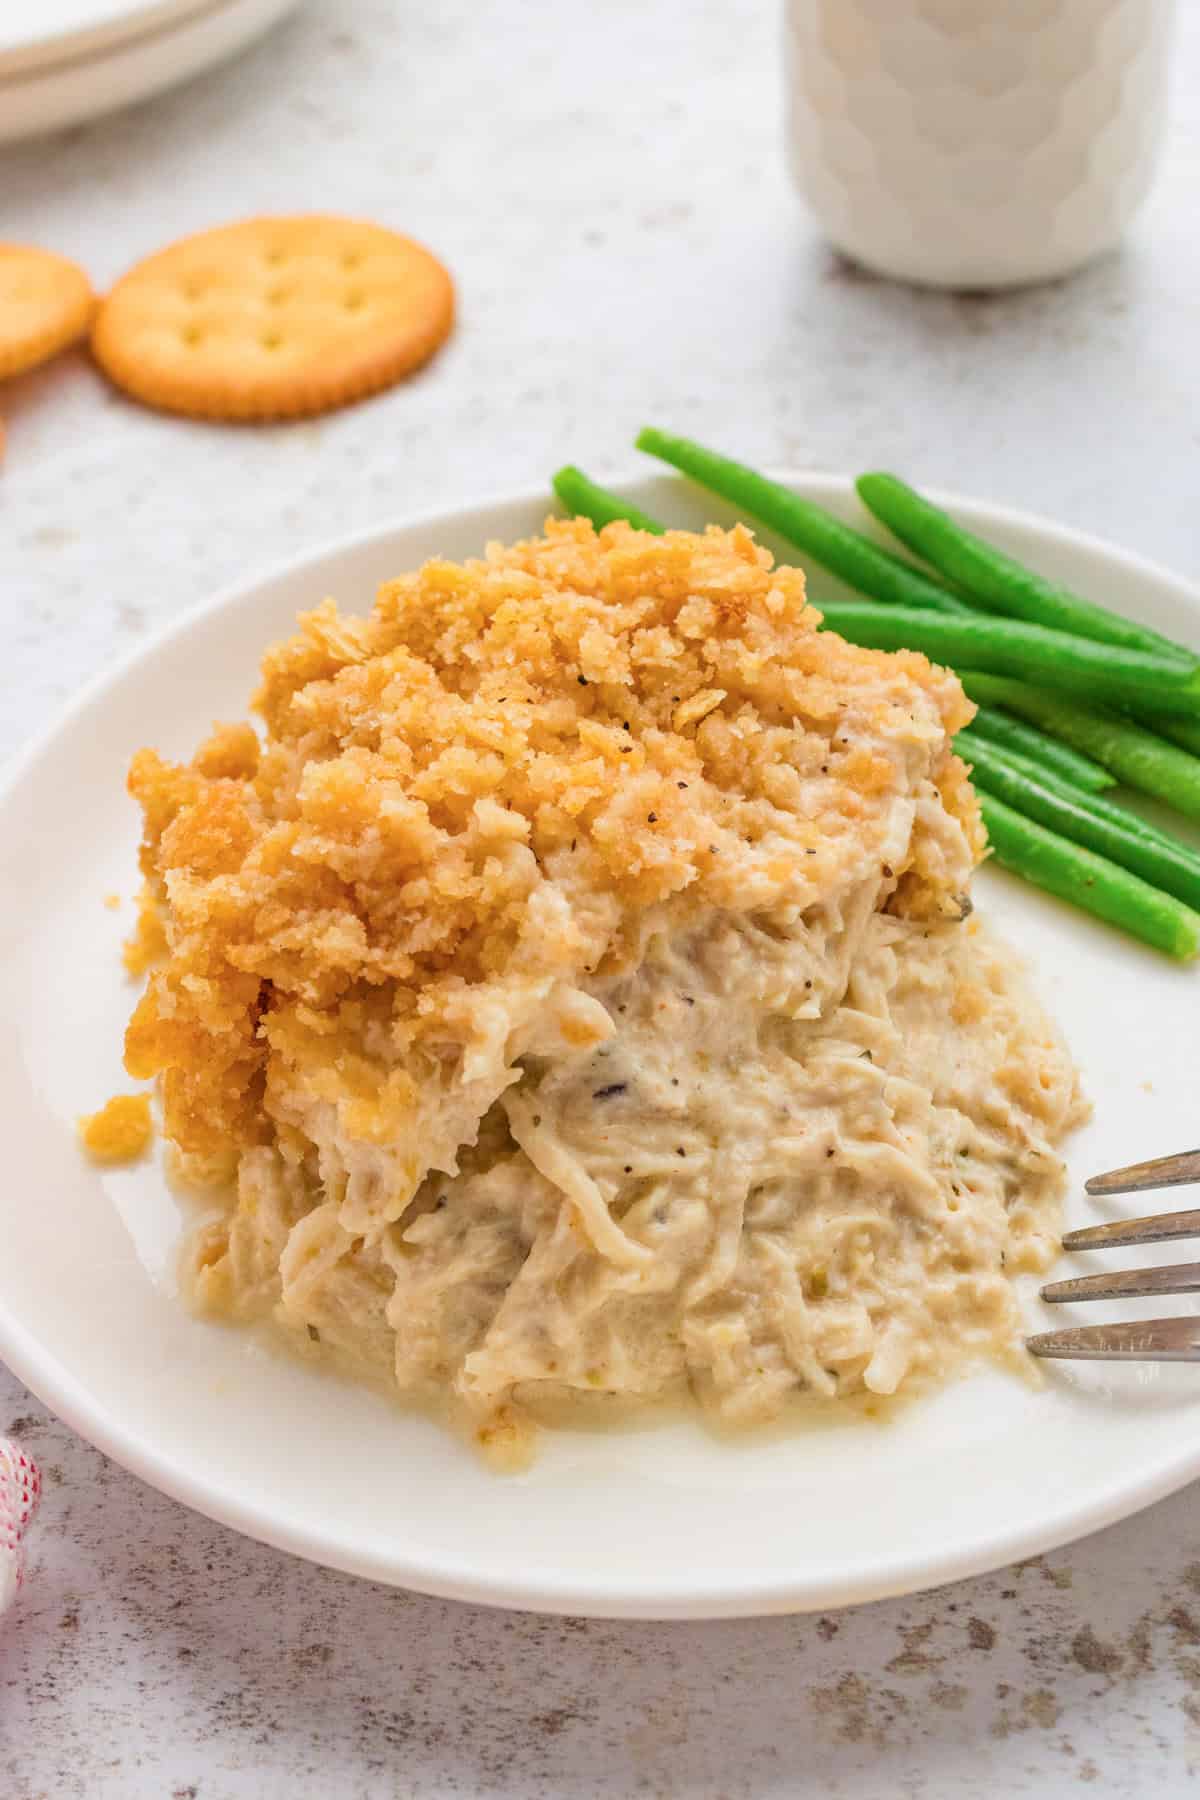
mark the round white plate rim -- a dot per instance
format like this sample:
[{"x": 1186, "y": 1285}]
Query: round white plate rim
[
  {"x": 49, "y": 96},
  {"x": 458, "y": 1578},
  {"x": 97, "y": 27}
]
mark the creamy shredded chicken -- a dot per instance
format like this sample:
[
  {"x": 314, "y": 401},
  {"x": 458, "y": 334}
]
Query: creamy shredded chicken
[{"x": 580, "y": 983}]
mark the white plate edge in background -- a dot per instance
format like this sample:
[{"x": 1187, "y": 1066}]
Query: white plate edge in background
[{"x": 48, "y": 96}]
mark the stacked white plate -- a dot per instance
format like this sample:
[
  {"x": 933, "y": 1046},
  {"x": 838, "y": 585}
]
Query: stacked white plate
[{"x": 63, "y": 61}]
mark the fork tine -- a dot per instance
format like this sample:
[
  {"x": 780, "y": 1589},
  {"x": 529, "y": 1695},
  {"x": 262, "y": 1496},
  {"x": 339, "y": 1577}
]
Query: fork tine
[
  {"x": 1137, "y": 1178},
  {"x": 1127, "y": 1284},
  {"x": 1154, "y": 1230},
  {"x": 1151, "y": 1340}
]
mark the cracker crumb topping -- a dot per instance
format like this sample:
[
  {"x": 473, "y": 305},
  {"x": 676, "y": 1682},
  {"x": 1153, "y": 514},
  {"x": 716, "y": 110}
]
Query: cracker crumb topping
[
  {"x": 120, "y": 1132},
  {"x": 506, "y": 772}
]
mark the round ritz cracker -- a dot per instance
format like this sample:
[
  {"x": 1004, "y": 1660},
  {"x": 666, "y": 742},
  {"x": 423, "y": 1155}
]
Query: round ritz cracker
[
  {"x": 46, "y": 303},
  {"x": 273, "y": 318}
]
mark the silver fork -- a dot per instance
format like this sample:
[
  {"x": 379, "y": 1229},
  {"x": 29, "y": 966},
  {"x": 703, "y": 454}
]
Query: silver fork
[{"x": 1148, "y": 1340}]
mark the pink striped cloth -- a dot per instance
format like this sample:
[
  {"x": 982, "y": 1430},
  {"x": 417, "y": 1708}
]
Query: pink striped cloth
[{"x": 20, "y": 1489}]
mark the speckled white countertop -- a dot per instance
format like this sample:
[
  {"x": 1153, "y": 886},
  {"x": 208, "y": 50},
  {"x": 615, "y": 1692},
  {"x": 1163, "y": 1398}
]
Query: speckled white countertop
[{"x": 606, "y": 183}]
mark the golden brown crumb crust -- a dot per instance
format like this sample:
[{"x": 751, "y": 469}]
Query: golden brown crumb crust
[
  {"x": 499, "y": 770},
  {"x": 120, "y": 1132}
]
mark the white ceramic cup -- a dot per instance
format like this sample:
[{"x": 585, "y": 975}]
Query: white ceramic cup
[{"x": 976, "y": 143}]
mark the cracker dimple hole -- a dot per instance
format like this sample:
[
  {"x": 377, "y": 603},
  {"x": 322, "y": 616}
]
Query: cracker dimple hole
[
  {"x": 351, "y": 259},
  {"x": 270, "y": 340},
  {"x": 192, "y": 335},
  {"x": 275, "y": 257},
  {"x": 353, "y": 301},
  {"x": 276, "y": 296}
]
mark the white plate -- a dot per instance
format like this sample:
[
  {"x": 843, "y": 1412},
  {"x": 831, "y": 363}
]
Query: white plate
[
  {"x": 54, "y": 30},
  {"x": 657, "y": 1522},
  {"x": 132, "y": 53}
]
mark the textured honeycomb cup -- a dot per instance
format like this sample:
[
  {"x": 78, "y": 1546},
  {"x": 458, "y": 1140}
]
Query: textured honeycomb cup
[{"x": 975, "y": 143}]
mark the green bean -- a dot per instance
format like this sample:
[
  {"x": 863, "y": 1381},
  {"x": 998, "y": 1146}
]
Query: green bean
[
  {"x": 1138, "y": 757},
  {"x": 999, "y": 581},
  {"x": 1103, "y": 828},
  {"x": 970, "y": 740},
  {"x": 1089, "y": 881},
  {"x": 1122, "y": 817},
  {"x": 1184, "y": 732},
  {"x": 971, "y": 745},
  {"x": 585, "y": 500},
  {"x": 846, "y": 553},
  {"x": 1011, "y": 647},
  {"x": 1019, "y": 739}
]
